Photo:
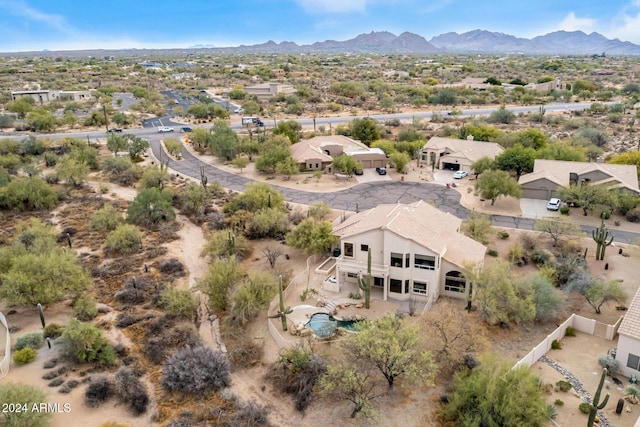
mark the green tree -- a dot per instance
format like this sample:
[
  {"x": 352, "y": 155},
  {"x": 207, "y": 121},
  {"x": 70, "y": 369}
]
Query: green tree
[
  {"x": 492, "y": 184},
  {"x": 272, "y": 152},
  {"x": 400, "y": 161},
  {"x": 346, "y": 164},
  {"x": 501, "y": 115},
  {"x": 251, "y": 107},
  {"x": 173, "y": 146},
  {"x": 289, "y": 128},
  {"x": 222, "y": 275},
  {"x": 153, "y": 177},
  {"x": 268, "y": 223},
  {"x": 135, "y": 145},
  {"x": 482, "y": 164},
  {"x": 200, "y": 137},
  {"x": 180, "y": 303},
  {"x": 477, "y": 226},
  {"x": 72, "y": 170},
  {"x": 27, "y": 194},
  {"x": 312, "y": 236},
  {"x": 392, "y": 347},
  {"x": 224, "y": 241},
  {"x": 517, "y": 158},
  {"x": 240, "y": 162},
  {"x": 365, "y": 130},
  {"x": 445, "y": 96},
  {"x": 588, "y": 196},
  {"x": 562, "y": 151},
  {"x": 223, "y": 142},
  {"x": 252, "y": 296},
  {"x": 500, "y": 298},
  {"x": 41, "y": 120},
  {"x": 288, "y": 167},
  {"x": 150, "y": 207},
  {"x": 597, "y": 292},
  {"x": 342, "y": 382},
  {"x": 558, "y": 227},
  {"x": 256, "y": 196},
  {"x": 106, "y": 218},
  {"x": 532, "y": 138},
  {"x": 20, "y": 106},
  {"x": 86, "y": 343},
  {"x": 29, "y": 396},
  {"x": 628, "y": 158},
  {"x": 548, "y": 300},
  {"x": 496, "y": 394},
  {"x": 192, "y": 199},
  {"x": 116, "y": 143}
]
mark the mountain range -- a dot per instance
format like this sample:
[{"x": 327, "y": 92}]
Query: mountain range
[{"x": 476, "y": 41}]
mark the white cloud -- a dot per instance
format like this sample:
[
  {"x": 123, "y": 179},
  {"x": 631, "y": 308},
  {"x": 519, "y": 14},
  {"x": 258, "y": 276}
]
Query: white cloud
[
  {"x": 334, "y": 6},
  {"x": 22, "y": 9},
  {"x": 626, "y": 25},
  {"x": 572, "y": 23}
]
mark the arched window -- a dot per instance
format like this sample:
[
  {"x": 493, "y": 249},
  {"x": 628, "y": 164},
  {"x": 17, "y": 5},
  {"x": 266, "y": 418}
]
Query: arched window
[{"x": 454, "y": 281}]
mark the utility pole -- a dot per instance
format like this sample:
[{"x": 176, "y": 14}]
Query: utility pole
[{"x": 106, "y": 118}]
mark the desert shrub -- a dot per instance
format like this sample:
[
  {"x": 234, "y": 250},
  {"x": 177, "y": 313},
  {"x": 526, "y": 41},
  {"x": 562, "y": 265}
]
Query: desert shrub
[
  {"x": 151, "y": 207},
  {"x": 633, "y": 215},
  {"x": 106, "y": 218},
  {"x": 492, "y": 252},
  {"x": 584, "y": 407},
  {"x": 528, "y": 242},
  {"x": 605, "y": 215},
  {"x": 68, "y": 386},
  {"x": 551, "y": 411},
  {"x": 540, "y": 257},
  {"x": 267, "y": 222},
  {"x": 196, "y": 371},
  {"x": 563, "y": 385},
  {"x": 27, "y": 194},
  {"x": 86, "y": 343},
  {"x": 153, "y": 177},
  {"x": 173, "y": 146},
  {"x": 33, "y": 340},
  {"x": 124, "y": 320},
  {"x": 570, "y": 332},
  {"x": 559, "y": 402},
  {"x": 178, "y": 302},
  {"x": 130, "y": 295},
  {"x": 24, "y": 355},
  {"x": 171, "y": 266},
  {"x": 251, "y": 414},
  {"x": 609, "y": 363},
  {"x": 84, "y": 308},
  {"x": 29, "y": 396},
  {"x": 224, "y": 241},
  {"x": 319, "y": 210},
  {"x": 125, "y": 239},
  {"x": 192, "y": 199},
  {"x": 99, "y": 390},
  {"x": 251, "y": 296},
  {"x": 130, "y": 390},
  {"x": 564, "y": 210},
  {"x": 163, "y": 337},
  {"x": 56, "y": 382},
  {"x": 515, "y": 253},
  {"x": 477, "y": 227},
  {"x": 52, "y": 178},
  {"x": 121, "y": 170},
  {"x": 296, "y": 372},
  {"x": 556, "y": 345},
  {"x": 52, "y": 330},
  {"x": 503, "y": 235}
]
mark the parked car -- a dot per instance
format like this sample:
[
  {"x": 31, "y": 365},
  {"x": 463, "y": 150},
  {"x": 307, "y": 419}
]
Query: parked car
[
  {"x": 239, "y": 110},
  {"x": 163, "y": 129},
  {"x": 112, "y": 130},
  {"x": 185, "y": 129},
  {"x": 460, "y": 174},
  {"x": 554, "y": 204},
  {"x": 381, "y": 171}
]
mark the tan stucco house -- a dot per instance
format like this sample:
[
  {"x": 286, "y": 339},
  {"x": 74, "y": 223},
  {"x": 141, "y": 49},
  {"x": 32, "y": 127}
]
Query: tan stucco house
[
  {"x": 264, "y": 91},
  {"x": 549, "y": 175},
  {"x": 417, "y": 251},
  {"x": 628, "y": 351},
  {"x": 317, "y": 153},
  {"x": 47, "y": 96},
  {"x": 457, "y": 154}
]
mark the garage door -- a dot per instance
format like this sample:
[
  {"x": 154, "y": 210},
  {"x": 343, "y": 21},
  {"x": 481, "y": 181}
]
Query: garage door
[
  {"x": 378, "y": 163},
  {"x": 451, "y": 166},
  {"x": 535, "y": 193},
  {"x": 366, "y": 164}
]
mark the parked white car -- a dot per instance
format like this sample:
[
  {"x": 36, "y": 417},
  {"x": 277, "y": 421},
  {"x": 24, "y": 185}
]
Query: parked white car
[
  {"x": 554, "y": 204},
  {"x": 163, "y": 129},
  {"x": 460, "y": 174}
]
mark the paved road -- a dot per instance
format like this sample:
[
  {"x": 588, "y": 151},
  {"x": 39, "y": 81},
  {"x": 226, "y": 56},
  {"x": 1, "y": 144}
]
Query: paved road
[{"x": 363, "y": 196}]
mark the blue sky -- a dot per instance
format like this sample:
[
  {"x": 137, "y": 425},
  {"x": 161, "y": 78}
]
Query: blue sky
[{"x": 114, "y": 24}]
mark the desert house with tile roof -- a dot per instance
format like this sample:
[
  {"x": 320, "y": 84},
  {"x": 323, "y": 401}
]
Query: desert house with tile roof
[
  {"x": 549, "y": 175},
  {"x": 628, "y": 350},
  {"x": 417, "y": 251},
  {"x": 265, "y": 91},
  {"x": 317, "y": 153},
  {"x": 457, "y": 154}
]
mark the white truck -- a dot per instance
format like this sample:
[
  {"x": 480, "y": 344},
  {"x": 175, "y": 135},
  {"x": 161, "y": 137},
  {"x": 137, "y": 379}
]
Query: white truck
[{"x": 252, "y": 121}]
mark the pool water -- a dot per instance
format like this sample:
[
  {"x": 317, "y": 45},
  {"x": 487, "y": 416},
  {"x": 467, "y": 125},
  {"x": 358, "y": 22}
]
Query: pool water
[{"x": 324, "y": 325}]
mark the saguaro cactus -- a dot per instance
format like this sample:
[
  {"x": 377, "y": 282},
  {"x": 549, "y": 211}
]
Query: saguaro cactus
[
  {"x": 600, "y": 236},
  {"x": 203, "y": 178},
  {"x": 231, "y": 244},
  {"x": 595, "y": 406},
  {"x": 365, "y": 285},
  {"x": 282, "y": 313}
]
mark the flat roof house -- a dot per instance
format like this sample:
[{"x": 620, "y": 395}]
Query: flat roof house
[
  {"x": 264, "y": 91},
  {"x": 47, "y": 96},
  {"x": 457, "y": 154},
  {"x": 417, "y": 251},
  {"x": 548, "y": 175}
]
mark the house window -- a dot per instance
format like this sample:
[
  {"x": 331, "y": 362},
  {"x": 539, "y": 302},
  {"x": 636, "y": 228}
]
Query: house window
[
  {"x": 633, "y": 362},
  {"x": 420, "y": 288},
  {"x": 352, "y": 275},
  {"x": 316, "y": 166},
  {"x": 378, "y": 282},
  {"x": 396, "y": 260},
  {"x": 407, "y": 260},
  {"x": 364, "y": 248},
  {"x": 310, "y": 165},
  {"x": 395, "y": 285},
  {"x": 454, "y": 281},
  {"x": 406, "y": 286},
  {"x": 348, "y": 249},
  {"x": 424, "y": 262}
]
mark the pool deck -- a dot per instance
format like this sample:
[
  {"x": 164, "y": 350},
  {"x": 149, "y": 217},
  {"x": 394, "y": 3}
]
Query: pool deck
[{"x": 302, "y": 313}]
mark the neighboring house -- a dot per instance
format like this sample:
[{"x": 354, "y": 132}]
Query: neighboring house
[
  {"x": 628, "y": 350},
  {"x": 47, "y": 96},
  {"x": 318, "y": 152},
  {"x": 417, "y": 251},
  {"x": 457, "y": 154},
  {"x": 264, "y": 91},
  {"x": 182, "y": 76},
  {"x": 549, "y": 175}
]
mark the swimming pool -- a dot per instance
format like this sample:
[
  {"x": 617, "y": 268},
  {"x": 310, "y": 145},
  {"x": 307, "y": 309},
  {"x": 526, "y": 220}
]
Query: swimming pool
[{"x": 324, "y": 325}]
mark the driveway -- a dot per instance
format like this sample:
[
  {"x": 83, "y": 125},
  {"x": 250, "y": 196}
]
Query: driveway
[
  {"x": 370, "y": 175},
  {"x": 443, "y": 176},
  {"x": 536, "y": 208}
]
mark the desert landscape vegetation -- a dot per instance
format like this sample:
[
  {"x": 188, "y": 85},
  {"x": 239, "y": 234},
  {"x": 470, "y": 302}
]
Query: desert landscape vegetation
[{"x": 160, "y": 291}]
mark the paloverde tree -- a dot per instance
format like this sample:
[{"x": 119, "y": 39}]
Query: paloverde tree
[
  {"x": 365, "y": 130},
  {"x": 135, "y": 145},
  {"x": 150, "y": 207},
  {"x": 346, "y": 164},
  {"x": 223, "y": 142},
  {"x": 518, "y": 159},
  {"x": 556, "y": 228},
  {"x": 482, "y": 164},
  {"x": 492, "y": 184},
  {"x": 588, "y": 196},
  {"x": 256, "y": 196},
  {"x": 312, "y": 236},
  {"x": 116, "y": 143},
  {"x": 289, "y": 128}
]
